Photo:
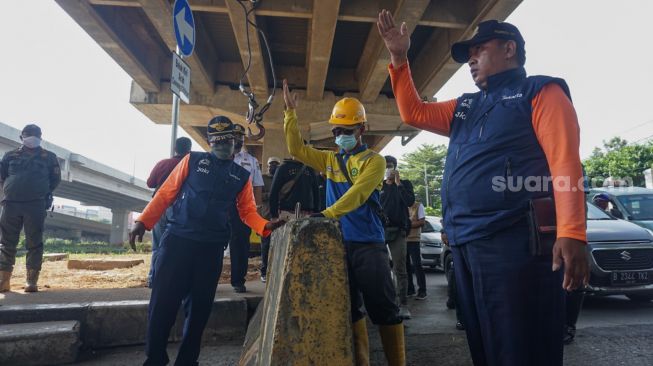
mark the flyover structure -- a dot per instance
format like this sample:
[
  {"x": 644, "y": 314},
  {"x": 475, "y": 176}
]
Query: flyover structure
[
  {"x": 91, "y": 183},
  {"x": 327, "y": 49}
]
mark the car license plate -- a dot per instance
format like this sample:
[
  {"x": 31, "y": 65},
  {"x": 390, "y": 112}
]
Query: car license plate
[{"x": 631, "y": 278}]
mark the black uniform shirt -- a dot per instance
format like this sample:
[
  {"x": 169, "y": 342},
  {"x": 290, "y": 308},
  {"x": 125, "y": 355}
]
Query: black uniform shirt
[{"x": 29, "y": 174}]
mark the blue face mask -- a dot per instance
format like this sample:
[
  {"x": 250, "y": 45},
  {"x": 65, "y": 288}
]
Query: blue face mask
[
  {"x": 346, "y": 142},
  {"x": 222, "y": 151}
]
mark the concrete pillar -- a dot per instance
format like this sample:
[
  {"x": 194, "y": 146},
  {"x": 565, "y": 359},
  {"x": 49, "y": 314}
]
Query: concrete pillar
[
  {"x": 119, "y": 226},
  {"x": 75, "y": 234},
  {"x": 275, "y": 145}
]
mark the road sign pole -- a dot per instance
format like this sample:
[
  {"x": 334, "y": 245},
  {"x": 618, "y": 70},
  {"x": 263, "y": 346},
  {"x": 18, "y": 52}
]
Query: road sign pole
[{"x": 175, "y": 117}]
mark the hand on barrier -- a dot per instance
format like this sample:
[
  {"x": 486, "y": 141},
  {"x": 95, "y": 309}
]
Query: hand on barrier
[
  {"x": 137, "y": 232},
  {"x": 274, "y": 224}
]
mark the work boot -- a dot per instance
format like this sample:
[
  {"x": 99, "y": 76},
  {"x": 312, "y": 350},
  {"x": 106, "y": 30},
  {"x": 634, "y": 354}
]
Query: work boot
[
  {"x": 361, "y": 343},
  {"x": 5, "y": 276},
  {"x": 404, "y": 313},
  {"x": 392, "y": 337},
  {"x": 32, "y": 279}
]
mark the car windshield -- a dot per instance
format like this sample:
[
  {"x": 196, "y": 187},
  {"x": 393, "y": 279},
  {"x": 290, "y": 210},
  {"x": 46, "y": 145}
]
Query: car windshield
[
  {"x": 431, "y": 225},
  {"x": 595, "y": 213},
  {"x": 638, "y": 207}
]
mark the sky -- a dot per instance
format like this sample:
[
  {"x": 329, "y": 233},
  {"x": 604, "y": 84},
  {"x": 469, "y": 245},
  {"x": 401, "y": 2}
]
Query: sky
[{"x": 55, "y": 75}]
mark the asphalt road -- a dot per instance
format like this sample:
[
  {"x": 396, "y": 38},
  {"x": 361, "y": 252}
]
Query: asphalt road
[{"x": 611, "y": 331}]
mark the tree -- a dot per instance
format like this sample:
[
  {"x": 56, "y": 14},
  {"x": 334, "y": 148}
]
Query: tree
[
  {"x": 619, "y": 160},
  {"x": 412, "y": 167}
]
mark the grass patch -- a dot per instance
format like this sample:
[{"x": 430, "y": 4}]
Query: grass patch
[{"x": 54, "y": 245}]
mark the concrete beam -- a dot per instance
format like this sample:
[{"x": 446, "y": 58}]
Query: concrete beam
[
  {"x": 372, "y": 70},
  {"x": 146, "y": 74},
  {"x": 256, "y": 75},
  {"x": 323, "y": 28},
  {"x": 203, "y": 60},
  {"x": 433, "y": 66},
  {"x": 352, "y": 11}
]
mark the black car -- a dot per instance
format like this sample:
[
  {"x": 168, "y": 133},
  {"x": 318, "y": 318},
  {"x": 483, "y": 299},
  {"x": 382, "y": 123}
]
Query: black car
[{"x": 620, "y": 254}]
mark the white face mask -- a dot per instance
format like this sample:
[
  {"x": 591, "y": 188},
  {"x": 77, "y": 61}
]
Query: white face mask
[
  {"x": 31, "y": 142},
  {"x": 389, "y": 172}
]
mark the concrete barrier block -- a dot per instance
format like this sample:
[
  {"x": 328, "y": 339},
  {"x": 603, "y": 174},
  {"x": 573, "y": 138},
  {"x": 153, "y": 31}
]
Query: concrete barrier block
[
  {"x": 103, "y": 264},
  {"x": 227, "y": 322},
  {"x": 116, "y": 323},
  {"x": 31, "y": 313},
  {"x": 45, "y": 343},
  {"x": 54, "y": 257},
  {"x": 306, "y": 315}
]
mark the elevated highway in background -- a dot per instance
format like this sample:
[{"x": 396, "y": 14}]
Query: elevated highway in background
[
  {"x": 326, "y": 49},
  {"x": 92, "y": 184}
]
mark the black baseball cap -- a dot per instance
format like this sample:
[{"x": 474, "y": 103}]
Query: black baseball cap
[
  {"x": 219, "y": 128},
  {"x": 31, "y": 130},
  {"x": 487, "y": 30}
]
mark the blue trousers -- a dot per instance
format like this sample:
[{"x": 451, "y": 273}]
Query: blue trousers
[
  {"x": 239, "y": 250},
  {"x": 512, "y": 304},
  {"x": 157, "y": 232},
  {"x": 185, "y": 270}
]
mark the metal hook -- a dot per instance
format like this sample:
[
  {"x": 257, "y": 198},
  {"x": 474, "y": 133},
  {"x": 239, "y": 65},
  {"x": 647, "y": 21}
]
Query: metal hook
[{"x": 261, "y": 130}]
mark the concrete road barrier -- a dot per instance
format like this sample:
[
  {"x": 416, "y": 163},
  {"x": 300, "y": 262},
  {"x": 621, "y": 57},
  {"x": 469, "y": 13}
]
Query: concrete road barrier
[
  {"x": 103, "y": 264},
  {"x": 306, "y": 317},
  {"x": 54, "y": 257},
  {"x": 34, "y": 344}
]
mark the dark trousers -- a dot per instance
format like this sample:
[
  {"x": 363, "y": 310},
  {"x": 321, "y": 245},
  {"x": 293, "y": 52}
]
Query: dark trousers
[
  {"x": 452, "y": 294},
  {"x": 239, "y": 250},
  {"x": 574, "y": 305},
  {"x": 185, "y": 270},
  {"x": 512, "y": 304},
  {"x": 414, "y": 266},
  {"x": 370, "y": 283},
  {"x": 265, "y": 251},
  {"x": 157, "y": 232},
  {"x": 16, "y": 216}
]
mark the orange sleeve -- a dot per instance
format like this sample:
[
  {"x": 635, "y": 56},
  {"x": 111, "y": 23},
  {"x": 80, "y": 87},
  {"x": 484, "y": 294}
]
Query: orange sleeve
[
  {"x": 433, "y": 117},
  {"x": 247, "y": 210},
  {"x": 556, "y": 128},
  {"x": 165, "y": 195}
]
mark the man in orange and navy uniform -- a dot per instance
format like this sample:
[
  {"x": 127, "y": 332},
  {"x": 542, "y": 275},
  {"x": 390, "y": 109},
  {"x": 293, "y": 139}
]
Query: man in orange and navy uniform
[
  {"x": 515, "y": 129},
  {"x": 201, "y": 189}
]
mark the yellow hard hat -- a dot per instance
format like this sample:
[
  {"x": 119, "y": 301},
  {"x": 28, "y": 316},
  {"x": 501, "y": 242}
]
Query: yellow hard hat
[{"x": 348, "y": 111}]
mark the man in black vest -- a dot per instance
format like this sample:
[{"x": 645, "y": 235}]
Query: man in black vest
[
  {"x": 202, "y": 189},
  {"x": 514, "y": 141},
  {"x": 28, "y": 175},
  {"x": 158, "y": 175}
]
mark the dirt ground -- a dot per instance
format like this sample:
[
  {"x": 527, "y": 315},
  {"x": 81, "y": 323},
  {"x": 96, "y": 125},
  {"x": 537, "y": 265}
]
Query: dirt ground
[{"x": 56, "y": 275}]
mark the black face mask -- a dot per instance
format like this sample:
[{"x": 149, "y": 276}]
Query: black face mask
[
  {"x": 222, "y": 151},
  {"x": 238, "y": 145},
  {"x": 272, "y": 169}
]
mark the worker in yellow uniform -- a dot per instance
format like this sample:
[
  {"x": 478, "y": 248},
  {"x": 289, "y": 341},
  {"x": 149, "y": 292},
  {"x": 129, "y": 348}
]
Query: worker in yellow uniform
[{"x": 354, "y": 177}]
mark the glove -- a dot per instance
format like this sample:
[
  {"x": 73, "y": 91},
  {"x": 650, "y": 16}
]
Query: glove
[
  {"x": 137, "y": 232},
  {"x": 317, "y": 214}
]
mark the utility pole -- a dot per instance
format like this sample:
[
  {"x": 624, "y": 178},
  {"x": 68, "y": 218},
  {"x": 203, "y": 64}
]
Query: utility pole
[{"x": 426, "y": 186}]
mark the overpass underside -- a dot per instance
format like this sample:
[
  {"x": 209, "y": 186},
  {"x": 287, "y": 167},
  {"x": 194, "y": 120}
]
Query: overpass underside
[{"x": 326, "y": 49}]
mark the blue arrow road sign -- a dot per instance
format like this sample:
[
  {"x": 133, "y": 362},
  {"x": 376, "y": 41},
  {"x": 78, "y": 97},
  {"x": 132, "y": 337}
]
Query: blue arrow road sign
[{"x": 182, "y": 18}]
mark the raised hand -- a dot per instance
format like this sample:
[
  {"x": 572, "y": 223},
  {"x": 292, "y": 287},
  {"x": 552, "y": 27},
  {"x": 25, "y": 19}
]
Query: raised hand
[
  {"x": 290, "y": 99},
  {"x": 396, "y": 39}
]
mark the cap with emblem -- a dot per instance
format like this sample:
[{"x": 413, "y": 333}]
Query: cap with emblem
[
  {"x": 487, "y": 30},
  {"x": 219, "y": 128}
]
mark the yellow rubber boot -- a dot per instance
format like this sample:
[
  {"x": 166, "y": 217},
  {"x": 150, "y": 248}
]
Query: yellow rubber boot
[
  {"x": 392, "y": 337},
  {"x": 361, "y": 343}
]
